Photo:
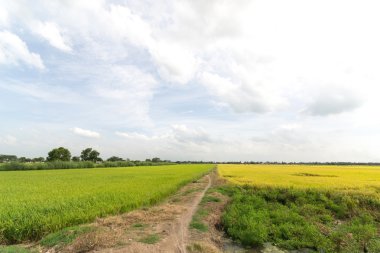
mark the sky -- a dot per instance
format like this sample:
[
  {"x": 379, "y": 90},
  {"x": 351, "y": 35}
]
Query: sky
[{"x": 220, "y": 80}]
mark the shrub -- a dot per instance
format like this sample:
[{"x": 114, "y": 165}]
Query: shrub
[{"x": 296, "y": 219}]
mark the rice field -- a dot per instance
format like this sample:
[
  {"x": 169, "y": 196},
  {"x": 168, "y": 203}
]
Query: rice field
[
  {"x": 319, "y": 208},
  {"x": 362, "y": 179},
  {"x": 35, "y": 203}
]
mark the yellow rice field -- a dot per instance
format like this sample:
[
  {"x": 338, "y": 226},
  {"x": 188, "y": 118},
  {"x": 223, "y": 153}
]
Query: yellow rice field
[{"x": 363, "y": 179}]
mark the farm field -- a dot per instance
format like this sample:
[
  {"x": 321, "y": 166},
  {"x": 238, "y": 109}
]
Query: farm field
[
  {"x": 319, "y": 208},
  {"x": 34, "y": 203},
  {"x": 361, "y": 179}
]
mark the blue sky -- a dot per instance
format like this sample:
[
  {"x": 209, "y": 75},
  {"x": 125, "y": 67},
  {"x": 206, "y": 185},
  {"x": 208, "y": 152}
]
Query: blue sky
[{"x": 192, "y": 80}]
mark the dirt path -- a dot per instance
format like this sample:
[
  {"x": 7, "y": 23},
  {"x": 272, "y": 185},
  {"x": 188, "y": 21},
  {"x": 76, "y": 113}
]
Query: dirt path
[
  {"x": 180, "y": 232},
  {"x": 163, "y": 228}
]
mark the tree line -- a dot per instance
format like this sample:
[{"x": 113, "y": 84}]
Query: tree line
[
  {"x": 60, "y": 158},
  {"x": 64, "y": 155}
]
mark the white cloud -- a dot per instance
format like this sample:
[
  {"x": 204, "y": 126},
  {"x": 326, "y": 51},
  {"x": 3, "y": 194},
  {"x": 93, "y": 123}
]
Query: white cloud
[
  {"x": 51, "y": 32},
  {"x": 334, "y": 101},
  {"x": 41, "y": 92},
  {"x": 239, "y": 96},
  {"x": 124, "y": 23},
  {"x": 126, "y": 91},
  {"x": 8, "y": 140},
  {"x": 85, "y": 132},
  {"x": 175, "y": 63},
  {"x": 136, "y": 136},
  {"x": 178, "y": 133},
  {"x": 13, "y": 50},
  {"x": 184, "y": 134},
  {"x": 3, "y": 17}
]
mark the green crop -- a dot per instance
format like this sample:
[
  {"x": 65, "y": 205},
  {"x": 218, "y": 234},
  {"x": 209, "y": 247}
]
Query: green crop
[{"x": 35, "y": 203}]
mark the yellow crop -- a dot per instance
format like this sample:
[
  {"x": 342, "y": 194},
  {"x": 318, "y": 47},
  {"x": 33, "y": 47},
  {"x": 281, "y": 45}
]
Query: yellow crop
[{"x": 361, "y": 179}]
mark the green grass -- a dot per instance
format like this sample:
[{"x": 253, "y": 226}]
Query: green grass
[
  {"x": 64, "y": 236},
  {"x": 198, "y": 225},
  {"x": 36, "y": 203},
  {"x": 139, "y": 225},
  {"x": 197, "y": 220},
  {"x": 210, "y": 199},
  {"x": 15, "y": 249},
  {"x": 150, "y": 239},
  {"x": 324, "y": 221}
]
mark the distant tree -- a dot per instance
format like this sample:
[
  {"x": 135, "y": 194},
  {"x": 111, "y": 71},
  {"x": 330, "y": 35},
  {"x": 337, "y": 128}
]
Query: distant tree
[
  {"x": 90, "y": 154},
  {"x": 24, "y": 160},
  {"x": 59, "y": 154},
  {"x": 148, "y": 160},
  {"x": 38, "y": 159},
  {"x": 156, "y": 160},
  {"x": 7, "y": 158},
  {"x": 75, "y": 159},
  {"x": 114, "y": 159}
]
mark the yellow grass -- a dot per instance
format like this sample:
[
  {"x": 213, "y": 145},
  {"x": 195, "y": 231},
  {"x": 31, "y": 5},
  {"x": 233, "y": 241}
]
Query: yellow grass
[{"x": 363, "y": 179}]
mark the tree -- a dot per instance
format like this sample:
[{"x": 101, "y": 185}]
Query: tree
[
  {"x": 114, "y": 159},
  {"x": 90, "y": 154},
  {"x": 156, "y": 160},
  {"x": 7, "y": 158},
  {"x": 23, "y": 159},
  {"x": 59, "y": 154},
  {"x": 75, "y": 159},
  {"x": 38, "y": 159}
]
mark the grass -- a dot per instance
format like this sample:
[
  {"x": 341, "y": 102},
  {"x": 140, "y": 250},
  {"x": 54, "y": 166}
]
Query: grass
[
  {"x": 195, "y": 247},
  {"x": 139, "y": 225},
  {"x": 150, "y": 239},
  {"x": 195, "y": 224},
  {"x": 197, "y": 221},
  {"x": 36, "y": 203},
  {"x": 210, "y": 199},
  {"x": 311, "y": 209},
  {"x": 64, "y": 236},
  {"x": 15, "y": 249}
]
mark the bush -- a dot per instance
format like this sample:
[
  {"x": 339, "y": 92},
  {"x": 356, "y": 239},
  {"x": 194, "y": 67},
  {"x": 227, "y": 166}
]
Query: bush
[{"x": 296, "y": 219}]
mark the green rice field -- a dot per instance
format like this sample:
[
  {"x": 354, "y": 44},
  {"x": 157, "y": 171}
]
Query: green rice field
[{"x": 35, "y": 203}]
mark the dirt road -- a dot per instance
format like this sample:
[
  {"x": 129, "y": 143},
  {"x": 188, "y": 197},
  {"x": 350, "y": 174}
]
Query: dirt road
[
  {"x": 163, "y": 228},
  {"x": 180, "y": 231}
]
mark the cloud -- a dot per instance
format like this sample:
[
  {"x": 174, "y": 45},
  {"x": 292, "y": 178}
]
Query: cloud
[
  {"x": 241, "y": 99},
  {"x": 177, "y": 133},
  {"x": 41, "y": 92},
  {"x": 8, "y": 140},
  {"x": 85, "y": 132},
  {"x": 13, "y": 50},
  {"x": 51, "y": 32},
  {"x": 136, "y": 136},
  {"x": 175, "y": 63},
  {"x": 332, "y": 102},
  {"x": 3, "y": 17},
  {"x": 184, "y": 134}
]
